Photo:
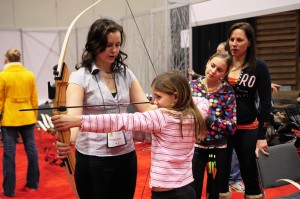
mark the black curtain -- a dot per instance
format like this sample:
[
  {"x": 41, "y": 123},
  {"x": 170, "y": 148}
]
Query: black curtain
[{"x": 206, "y": 40}]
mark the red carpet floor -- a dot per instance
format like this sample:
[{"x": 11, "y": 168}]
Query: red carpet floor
[{"x": 54, "y": 183}]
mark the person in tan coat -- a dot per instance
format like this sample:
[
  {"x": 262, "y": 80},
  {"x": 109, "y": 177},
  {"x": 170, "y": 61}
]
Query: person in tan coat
[{"x": 18, "y": 91}]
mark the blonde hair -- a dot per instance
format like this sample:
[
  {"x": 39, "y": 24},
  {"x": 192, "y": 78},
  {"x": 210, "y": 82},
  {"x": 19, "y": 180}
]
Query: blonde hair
[
  {"x": 223, "y": 55},
  {"x": 13, "y": 55},
  {"x": 174, "y": 81}
]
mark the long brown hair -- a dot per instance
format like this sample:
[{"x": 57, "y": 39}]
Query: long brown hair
[
  {"x": 174, "y": 81},
  {"x": 97, "y": 42}
]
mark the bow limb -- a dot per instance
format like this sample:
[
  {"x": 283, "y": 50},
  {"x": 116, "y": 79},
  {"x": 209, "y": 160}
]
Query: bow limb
[
  {"x": 68, "y": 163},
  {"x": 61, "y": 81},
  {"x": 66, "y": 40}
]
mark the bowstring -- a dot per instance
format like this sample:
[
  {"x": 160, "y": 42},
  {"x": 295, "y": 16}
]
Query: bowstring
[{"x": 141, "y": 37}]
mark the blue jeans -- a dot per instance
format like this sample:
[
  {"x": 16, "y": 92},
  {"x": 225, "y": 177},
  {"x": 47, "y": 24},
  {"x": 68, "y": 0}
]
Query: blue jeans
[
  {"x": 235, "y": 173},
  {"x": 9, "y": 135}
]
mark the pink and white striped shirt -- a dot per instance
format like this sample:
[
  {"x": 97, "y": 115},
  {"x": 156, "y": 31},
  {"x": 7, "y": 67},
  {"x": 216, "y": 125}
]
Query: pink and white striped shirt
[{"x": 171, "y": 150}]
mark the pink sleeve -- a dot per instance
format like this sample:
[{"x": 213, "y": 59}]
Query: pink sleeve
[
  {"x": 151, "y": 120},
  {"x": 203, "y": 105}
]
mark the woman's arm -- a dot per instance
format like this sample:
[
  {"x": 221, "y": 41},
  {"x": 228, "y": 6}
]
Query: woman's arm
[
  {"x": 137, "y": 95},
  {"x": 74, "y": 97},
  {"x": 265, "y": 94}
]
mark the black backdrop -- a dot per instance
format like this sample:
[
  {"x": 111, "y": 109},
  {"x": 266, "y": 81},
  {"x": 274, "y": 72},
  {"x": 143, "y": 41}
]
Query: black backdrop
[{"x": 205, "y": 41}]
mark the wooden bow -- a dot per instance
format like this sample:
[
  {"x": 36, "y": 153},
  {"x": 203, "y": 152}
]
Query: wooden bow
[{"x": 61, "y": 81}]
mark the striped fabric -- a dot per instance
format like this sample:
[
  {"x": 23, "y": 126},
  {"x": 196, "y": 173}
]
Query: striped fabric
[{"x": 171, "y": 150}]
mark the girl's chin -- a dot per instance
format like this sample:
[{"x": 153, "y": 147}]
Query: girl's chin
[{"x": 211, "y": 79}]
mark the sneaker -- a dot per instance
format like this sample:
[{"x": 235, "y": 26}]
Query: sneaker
[{"x": 238, "y": 186}]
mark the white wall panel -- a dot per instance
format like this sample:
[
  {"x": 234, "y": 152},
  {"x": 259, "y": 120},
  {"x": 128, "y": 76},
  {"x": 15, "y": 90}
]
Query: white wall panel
[
  {"x": 9, "y": 39},
  {"x": 215, "y": 11},
  {"x": 32, "y": 13},
  {"x": 42, "y": 51},
  {"x": 7, "y": 14}
]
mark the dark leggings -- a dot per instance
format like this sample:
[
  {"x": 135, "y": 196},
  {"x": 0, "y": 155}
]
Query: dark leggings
[
  {"x": 214, "y": 186},
  {"x": 185, "y": 192},
  {"x": 112, "y": 177},
  {"x": 244, "y": 143}
]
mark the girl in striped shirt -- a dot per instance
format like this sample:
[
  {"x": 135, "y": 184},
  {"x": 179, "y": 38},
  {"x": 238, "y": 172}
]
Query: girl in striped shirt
[{"x": 175, "y": 125}]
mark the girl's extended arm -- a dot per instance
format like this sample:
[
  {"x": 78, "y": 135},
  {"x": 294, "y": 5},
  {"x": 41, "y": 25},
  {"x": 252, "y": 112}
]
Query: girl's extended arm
[{"x": 151, "y": 121}]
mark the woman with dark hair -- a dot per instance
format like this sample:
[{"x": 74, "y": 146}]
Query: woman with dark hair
[
  {"x": 249, "y": 77},
  {"x": 106, "y": 164}
]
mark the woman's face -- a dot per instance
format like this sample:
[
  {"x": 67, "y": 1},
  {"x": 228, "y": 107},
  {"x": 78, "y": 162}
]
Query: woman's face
[
  {"x": 238, "y": 43},
  {"x": 108, "y": 56},
  {"x": 216, "y": 69}
]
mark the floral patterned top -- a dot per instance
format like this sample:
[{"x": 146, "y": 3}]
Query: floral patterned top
[{"x": 221, "y": 119}]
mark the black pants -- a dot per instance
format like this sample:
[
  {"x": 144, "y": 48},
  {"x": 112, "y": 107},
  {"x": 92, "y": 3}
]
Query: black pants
[
  {"x": 106, "y": 177},
  {"x": 214, "y": 186},
  {"x": 244, "y": 143},
  {"x": 185, "y": 192}
]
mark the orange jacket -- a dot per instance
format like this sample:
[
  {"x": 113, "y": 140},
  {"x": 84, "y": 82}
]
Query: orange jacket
[{"x": 17, "y": 91}]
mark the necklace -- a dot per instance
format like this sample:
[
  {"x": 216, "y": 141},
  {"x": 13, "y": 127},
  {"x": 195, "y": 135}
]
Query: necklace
[
  {"x": 236, "y": 68},
  {"x": 213, "y": 88},
  {"x": 117, "y": 94}
]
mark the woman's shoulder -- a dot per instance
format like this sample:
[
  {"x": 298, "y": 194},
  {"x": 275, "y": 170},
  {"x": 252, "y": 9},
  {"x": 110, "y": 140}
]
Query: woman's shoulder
[
  {"x": 79, "y": 76},
  {"x": 260, "y": 64},
  {"x": 80, "y": 71},
  {"x": 128, "y": 75}
]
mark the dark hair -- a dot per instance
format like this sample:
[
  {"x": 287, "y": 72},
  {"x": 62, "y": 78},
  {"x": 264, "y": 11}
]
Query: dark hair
[
  {"x": 251, "y": 51},
  {"x": 97, "y": 42},
  {"x": 13, "y": 55},
  {"x": 174, "y": 81}
]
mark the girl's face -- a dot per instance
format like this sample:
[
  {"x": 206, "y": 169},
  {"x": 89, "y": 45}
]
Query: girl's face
[
  {"x": 108, "y": 56},
  {"x": 216, "y": 69},
  {"x": 163, "y": 100},
  {"x": 238, "y": 43}
]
